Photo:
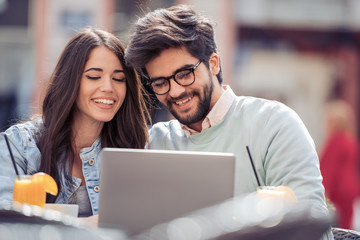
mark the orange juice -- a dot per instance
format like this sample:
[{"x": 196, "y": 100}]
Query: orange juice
[
  {"x": 32, "y": 189},
  {"x": 28, "y": 191}
]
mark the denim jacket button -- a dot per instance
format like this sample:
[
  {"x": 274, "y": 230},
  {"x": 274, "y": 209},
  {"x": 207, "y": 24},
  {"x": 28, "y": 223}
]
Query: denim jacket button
[
  {"x": 91, "y": 161},
  {"x": 97, "y": 189}
]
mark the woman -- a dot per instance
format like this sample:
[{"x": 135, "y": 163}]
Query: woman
[
  {"x": 339, "y": 161},
  {"x": 93, "y": 101}
]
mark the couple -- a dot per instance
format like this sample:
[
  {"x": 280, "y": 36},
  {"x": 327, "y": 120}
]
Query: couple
[{"x": 95, "y": 100}]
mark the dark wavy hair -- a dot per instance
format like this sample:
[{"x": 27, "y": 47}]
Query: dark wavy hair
[
  {"x": 128, "y": 128},
  {"x": 171, "y": 27}
]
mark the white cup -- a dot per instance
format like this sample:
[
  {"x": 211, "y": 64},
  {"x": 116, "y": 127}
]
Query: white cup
[{"x": 67, "y": 209}]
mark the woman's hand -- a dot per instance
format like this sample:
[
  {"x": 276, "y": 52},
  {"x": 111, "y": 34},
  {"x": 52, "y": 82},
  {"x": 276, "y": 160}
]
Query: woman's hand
[{"x": 91, "y": 221}]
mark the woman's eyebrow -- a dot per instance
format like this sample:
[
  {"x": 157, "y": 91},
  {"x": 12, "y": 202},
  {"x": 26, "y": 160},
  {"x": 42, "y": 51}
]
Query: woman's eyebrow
[
  {"x": 94, "y": 69},
  {"x": 117, "y": 71}
]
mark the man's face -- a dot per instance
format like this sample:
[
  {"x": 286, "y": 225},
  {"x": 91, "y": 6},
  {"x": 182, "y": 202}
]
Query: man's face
[{"x": 189, "y": 104}]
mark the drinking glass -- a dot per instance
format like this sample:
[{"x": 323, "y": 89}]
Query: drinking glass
[{"x": 28, "y": 190}]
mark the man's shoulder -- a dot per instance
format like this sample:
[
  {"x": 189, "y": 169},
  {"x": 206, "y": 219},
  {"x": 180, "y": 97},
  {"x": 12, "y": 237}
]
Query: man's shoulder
[
  {"x": 164, "y": 133},
  {"x": 257, "y": 101},
  {"x": 259, "y": 111},
  {"x": 259, "y": 105},
  {"x": 165, "y": 127}
]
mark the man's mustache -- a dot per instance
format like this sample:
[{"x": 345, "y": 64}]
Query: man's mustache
[{"x": 182, "y": 96}]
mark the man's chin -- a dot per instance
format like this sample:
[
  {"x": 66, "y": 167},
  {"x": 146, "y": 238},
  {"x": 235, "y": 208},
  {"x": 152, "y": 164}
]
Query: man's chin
[
  {"x": 187, "y": 119},
  {"x": 188, "y": 116}
]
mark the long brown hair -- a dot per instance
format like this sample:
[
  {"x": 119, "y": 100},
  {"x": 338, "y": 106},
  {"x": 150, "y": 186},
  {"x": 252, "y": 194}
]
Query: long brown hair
[{"x": 127, "y": 129}]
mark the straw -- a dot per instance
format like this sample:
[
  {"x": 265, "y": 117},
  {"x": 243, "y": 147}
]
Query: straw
[
  {"x": 253, "y": 166},
  {"x": 11, "y": 155}
]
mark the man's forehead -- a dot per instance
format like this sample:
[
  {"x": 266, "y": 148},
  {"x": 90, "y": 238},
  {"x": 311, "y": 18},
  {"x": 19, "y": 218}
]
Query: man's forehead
[{"x": 169, "y": 61}]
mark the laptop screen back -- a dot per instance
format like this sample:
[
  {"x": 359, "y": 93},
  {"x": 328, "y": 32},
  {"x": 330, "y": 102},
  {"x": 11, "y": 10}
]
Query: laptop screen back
[{"x": 143, "y": 188}]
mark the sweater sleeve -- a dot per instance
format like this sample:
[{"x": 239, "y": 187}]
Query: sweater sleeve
[{"x": 290, "y": 157}]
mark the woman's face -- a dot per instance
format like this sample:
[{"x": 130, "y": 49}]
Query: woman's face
[{"x": 102, "y": 87}]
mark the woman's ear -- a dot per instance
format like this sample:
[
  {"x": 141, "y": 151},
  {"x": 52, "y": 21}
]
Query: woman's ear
[{"x": 214, "y": 64}]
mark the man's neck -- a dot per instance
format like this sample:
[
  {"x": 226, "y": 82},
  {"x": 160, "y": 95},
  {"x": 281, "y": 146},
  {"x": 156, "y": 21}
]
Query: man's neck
[{"x": 196, "y": 126}]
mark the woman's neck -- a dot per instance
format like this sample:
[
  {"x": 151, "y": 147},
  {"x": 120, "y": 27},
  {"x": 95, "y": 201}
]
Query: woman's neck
[{"x": 86, "y": 133}]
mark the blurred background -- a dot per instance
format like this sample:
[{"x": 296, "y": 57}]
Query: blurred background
[{"x": 300, "y": 52}]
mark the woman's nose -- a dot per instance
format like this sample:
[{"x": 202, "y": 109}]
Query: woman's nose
[{"x": 107, "y": 85}]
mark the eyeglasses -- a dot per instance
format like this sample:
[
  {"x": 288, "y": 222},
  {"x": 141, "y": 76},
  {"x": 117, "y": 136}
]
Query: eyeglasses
[{"x": 183, "y": 77}]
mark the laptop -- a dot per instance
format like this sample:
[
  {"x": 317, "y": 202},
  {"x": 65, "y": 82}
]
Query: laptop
[{"x": 144, "y": 188}]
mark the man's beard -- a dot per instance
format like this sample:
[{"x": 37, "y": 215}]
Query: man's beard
[{"x": 202, "y": 108}]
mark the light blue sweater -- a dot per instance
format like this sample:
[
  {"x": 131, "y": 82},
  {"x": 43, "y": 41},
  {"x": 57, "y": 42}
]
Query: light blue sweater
[{"x": 281, "y": 147}]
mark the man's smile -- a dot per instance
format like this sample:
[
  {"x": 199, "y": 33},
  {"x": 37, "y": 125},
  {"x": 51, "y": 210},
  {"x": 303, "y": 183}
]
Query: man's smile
[{"x": 181, "y": 102}]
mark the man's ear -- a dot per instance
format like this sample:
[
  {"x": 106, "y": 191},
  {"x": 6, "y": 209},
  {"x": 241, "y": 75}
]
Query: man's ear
[{"x": 214, "y": 64}]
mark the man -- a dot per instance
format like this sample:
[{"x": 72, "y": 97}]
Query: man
[{"x": 175, "y": 49}]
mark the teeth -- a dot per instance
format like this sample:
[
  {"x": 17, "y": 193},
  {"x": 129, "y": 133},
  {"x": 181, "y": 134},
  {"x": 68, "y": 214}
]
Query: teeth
[
  {"x": 183, "y": 101},
  {"x": 105, "y": 101}
]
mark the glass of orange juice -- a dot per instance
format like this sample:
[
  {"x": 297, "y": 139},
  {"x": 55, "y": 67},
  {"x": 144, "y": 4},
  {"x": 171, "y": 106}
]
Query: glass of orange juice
[
  {"x": 28, "y": 191},
  {"x": 32, "y": 189}
]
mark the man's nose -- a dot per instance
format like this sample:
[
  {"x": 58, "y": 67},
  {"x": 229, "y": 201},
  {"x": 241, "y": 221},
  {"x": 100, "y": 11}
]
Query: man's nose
[{"x": 175, "y": 88}]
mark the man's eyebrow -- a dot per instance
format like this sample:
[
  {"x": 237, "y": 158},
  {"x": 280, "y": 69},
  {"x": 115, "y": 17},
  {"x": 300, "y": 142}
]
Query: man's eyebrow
[
  {"x": 185, "y": 67},
  {"x": 94, "y": 69}
]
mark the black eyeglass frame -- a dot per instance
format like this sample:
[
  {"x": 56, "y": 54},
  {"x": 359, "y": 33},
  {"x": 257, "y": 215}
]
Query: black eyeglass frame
[{"x": 192, "y": 69}]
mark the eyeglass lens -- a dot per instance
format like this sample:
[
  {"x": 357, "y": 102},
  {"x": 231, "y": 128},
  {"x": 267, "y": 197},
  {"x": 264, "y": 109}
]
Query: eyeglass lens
[{"x": 183, "y": 78}]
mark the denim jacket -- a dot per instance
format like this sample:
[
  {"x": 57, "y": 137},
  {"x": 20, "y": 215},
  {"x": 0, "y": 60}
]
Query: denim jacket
[{"x": 27, "y": 157}]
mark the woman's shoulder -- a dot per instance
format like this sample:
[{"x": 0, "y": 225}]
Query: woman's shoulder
[
  {"x": 22, "y": 138},
  {"x": 25, "y": 131}
]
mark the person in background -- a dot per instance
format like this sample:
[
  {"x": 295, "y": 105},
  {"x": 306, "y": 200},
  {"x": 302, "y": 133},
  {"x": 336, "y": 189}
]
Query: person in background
[
  {"x": 175, "y": 50},
  {"x": 93, "y": 100},
  {"x": 339, "y": 161}
]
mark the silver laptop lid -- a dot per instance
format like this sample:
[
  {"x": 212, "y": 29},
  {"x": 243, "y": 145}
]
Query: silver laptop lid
[{"x": 143, "y": 188}]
